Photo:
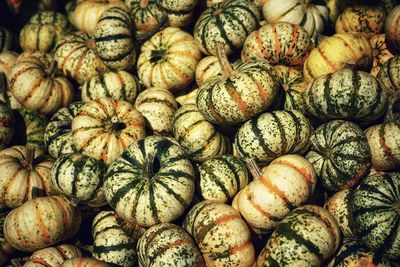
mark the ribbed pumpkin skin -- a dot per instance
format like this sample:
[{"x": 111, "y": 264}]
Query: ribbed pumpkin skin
[
  {"x": 336, "y": 52},
  {"x": 119, "y": 85},
  {"x": 84, "y": 262},
  {"x": 28, "y": 227},
  {"x": 105, "y": 127},
  {"x": 167, "y": 244},
  {"x": 286, "y": 183},
  {"x": 207, "y": 68},
  {"x": 6, "y": 39},
  {"x": 307, "y": 236},
  {"x": 374, "y": 206},
  {"x": 222, "y": 177},
  {"x": 221, "y": 234},
  {"x": 168, "y": 60},
  {"x": 111, "y": 244},
  {"x": 389, "y": 74},
  {"x": 346, "y": 94},
  {"x": 7, "y": 61},
  {"x": 22, "y": 178},
  {"x": 278, "y": 43},
  {"x": 380, "y": 52},
  {"x": 229, "y": 22},
  {"x": 35, "y": 125},
  {"x": 158, "y": 107},
  {"x": 272, "y": 135},
  {"x": 189, "y": 98},
  {"x": 248, "y": 91},
  {"x": 6, "y": 125},
  {"x": 392, "y": 23},
  {"x": 140, "y": 191},
  {"x": 52, "y": 256},
  {"x": 179, "y": 11},
  {"x": 5, "y": 247},
  {"x": 114, "y": 39},
  {"x": 58, "y": 135},
  {"x": 33, "y": 87},
  {"x": 147, "y": 15}
]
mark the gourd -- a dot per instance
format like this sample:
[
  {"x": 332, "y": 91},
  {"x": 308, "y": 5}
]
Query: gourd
[
  {"x": 6, "y": 39},
  {"x": 189, "y": 98},
  {"x": 391, "y": 30},
  {"x": 7, "y": 60},
  {"x": 207, "y": 68},
  {"x": 388, "y": 75},
  {"x": 5, "y": 247},
  {"x": 179, "y": 12},
  {"x": 6, "y": 123},
  {"x": 35, "y": 125},
  {"x": 53, "y": 256},
  {"x": 380, "y": 52},
  {"x": 84, "y": 262}
]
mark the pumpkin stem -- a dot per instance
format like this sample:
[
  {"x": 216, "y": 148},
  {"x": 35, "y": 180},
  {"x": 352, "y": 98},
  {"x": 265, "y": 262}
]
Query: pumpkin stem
[
  {"x": 226, "y": 67},
  {"x": 150, "y": 167},
  {"x": 253, "y": 168},
  {"x": 132, "y": 229},
  {"x": 29, "y": 157},
  {"x": 396, "y": 207},
  {"x": 52, "y": 68},
  {"x": 394, "y": 97}
]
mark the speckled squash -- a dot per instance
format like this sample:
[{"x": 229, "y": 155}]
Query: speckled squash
[
  {"x": 6, "y": 125},
  {"x": 389, "y": 75},
  {"x": 158, "y": 107},
  {"x": 53, "y": 256},
  {"x": 168, "y": 60},
  {"x": 380, "y": 52},
  {"x": 189, "y": 98},
  {"x": 168, "y": 244},
  {"x": 119, "y": 85},
  {"x": 151, "y": 182},
  {"x": 105, "y": 127},
  {"x": 207, "y": 68},
  {"x": 278, "y": 43},
  {"x": 392, "y": 24},
  {"x": 28, "y": 227},
  {"x": 272, "y": 135},
  {"x": 58, "y": 135},
  {"x": 346, "y": 94},
  {"x": 221, "y": 234},
  {"x": 6, "y": 249},
  {"x": 374, "y": 207},
  {"x": 84, "y": 262},
  {"x": 35, "y": 125},
  {"x": 7, "y": 60},
  {"x": 336, "y": 52},
  {"x": 222, "y": 177},
  {"x": 198, "y": 136},
  {"x": 25, "y": 175},
  {"x": 179, "y": 12},
  {"x": 6, "y": 39},
  {"x": 307, "y": 236},
  {"x": 111, "y": 244},
  {"x": 229, "y": 22}
]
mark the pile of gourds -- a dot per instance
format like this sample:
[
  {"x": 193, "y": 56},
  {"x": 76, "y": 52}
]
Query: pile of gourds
[{"x": 128, "y": 138}]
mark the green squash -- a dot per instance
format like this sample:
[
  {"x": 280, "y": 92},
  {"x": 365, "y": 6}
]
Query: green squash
[{"x": 35, "y": 125}]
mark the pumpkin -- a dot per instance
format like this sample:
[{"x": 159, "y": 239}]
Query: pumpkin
[
  {"x": 168, "y": 60},
  {"x": 272, "y": 135},
  {"x": 41, "y": 222},
  {"x": 35, "y": 85},
  {"x": 84, "y": 262},
  {"x": 42, "y": 31},
  {"x": 374, "y": 207},
  {"x": 6, "y": 39},
  {"x": 389, "y": 73},
  {"x": 35, "y": 125},
  {"x": 229, "y": 22},
  {"x": 168, "y": 244},
  {"x": 307, "y": 236},
  {"x": 207, "y": 68},
  {"x": 346, "y": 94},
  {"x": 391, "y": 30},
  {"x": 25, "y": 175},
  {"x": 7, "y": 60},
  {"x": 179, "y": 11},
  {"x": 111, "y": 244},
  {"x": 158, "y": 107},
  {"x": 5, "y": 247},
  {"x": 105, "y": 127},
  {"x": 220, "y": 233},
  {"x": 286, "y": 183},
  {"x": 312, "y": 17},
  {"x": 119, "y": 85},
  {"x": 189, "y": 98},
  {"x": 278, "y": 43},
  {"x": 151, "y": 182},
  {"x": 336, "y": 52},
  {"x": 6, "y": 125},
  {"x": 380, "y": 52},
  {"x": 58, "y": 135},
  {"x": 53, "y": 256},
  {"x": 222, "y": 177},
  {"x": 198, "y": 136}
]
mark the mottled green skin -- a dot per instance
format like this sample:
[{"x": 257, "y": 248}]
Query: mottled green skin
[
  {"x": 375, "y": 208},
  {"x": 6, "y": 39},
  {"x": 340, "y": 154},
  {"x": 389, "y": 74},
  {"x": 35, "y": 124},
  {"x": 179, "y": 11},
  {"x": 146, "y": 19}
]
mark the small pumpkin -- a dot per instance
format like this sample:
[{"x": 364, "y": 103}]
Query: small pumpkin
[
  {"x": 6, "y": 124},
  {"x": 380, "y": 52},
  {"x": 179, "y": 12},
  {"x": 35, "y": 125},
  {"x": 391, "y": 30},
  {"x": 188, "y": 98},
  {"x": 389, "y": 75},
  {"x": 6, "y": 39},
  {"x": 53, "y": 256},
  {"x": 7, "y": 60},
  {"x": 6, "y": 249},
  {"x": 207, "y": 68},
  {"x": 84, "y": 262}
]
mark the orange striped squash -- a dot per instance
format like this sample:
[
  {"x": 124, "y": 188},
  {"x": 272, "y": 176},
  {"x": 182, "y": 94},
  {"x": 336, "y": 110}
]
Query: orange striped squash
[
  {"x": 392, "y": 26},
  {"x": 380, "y": 52},
  {"x": 84, "y": 262},
  {"x": 52, "y": 256}
]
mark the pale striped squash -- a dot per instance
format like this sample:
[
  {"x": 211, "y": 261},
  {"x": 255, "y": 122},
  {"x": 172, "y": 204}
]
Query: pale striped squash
[
  {"x": 7, "y": 122},
  {"x": 389, "y": 75},
  {"x": 35, "y": 125},
  {"x": 392, "y": 24},
  {"x": 207, "y": 68},
  {"x": 84, "y": 262},
  {"x": 6, "y": 249},
  {"x": 53, "y": 256},
  {"x": 380, "y": 52},
  {"x": 189, "y": 98},
  {"x": 179, "y": 12},
  {"x": 7, "y": 60},
  {"x": 6, "y": 39}
]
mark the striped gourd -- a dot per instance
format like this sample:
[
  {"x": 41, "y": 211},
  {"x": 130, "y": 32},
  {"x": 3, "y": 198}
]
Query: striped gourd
[
  {"x": 221, "y": 234},
  {"x": 43, "y": 31},
  {"x": 151, "y": 182},
  {"x": 278, "y": 43},
  {"x": 84, "y": 262},
  {"x": 41, "y": 222},
  {"x": 53, "y": 256},
  {"x": 375, "y": 209},
  {"x": 77, "y": 58},
  {"x": 207, "y": 68},
  {"x": 105, "y": 127},
  {"x": 272, "y": 135},
  {"x": 167, "y": 244},
  {"x": 7, "y": 122},
  {"x": 337, "y": 52},
  {"x": 380, "y": 52},
  {"x": 338, "y": 206},
  {"x": 392, "y": 24},
  {"x": 111, "y": 244},
  {"x": 113, "y": 38},
  {"x": 80, "y": 178},
  {"x": 189, "y": 98},
  {"x": 312, "y": 17},
  {"x": 35, "y": 125},
  {"x": 346, "y": 94},
  {"x": 389, "y": 74},
  {"x": 119, "y": 85},
  {"x": 7, "y": 60},
  {"x": 6, "y": 249},
  {"x": 229, "y": 22},
  {"x": 286, "y": 183},
  {"x": 307, "y": 236},
  {"x": 198, "y": 136},
  {"x": 6, "y": 39},
  {"x": 158, "y": 107},
  {"x": 168, "y": 60},
  {"x": 179, "y": 12},
  {"x": 340, "y": 154},
  {"x": 222, "y": 177},
  {"x": 25, "y": 175},
  {"x": 58, "y": 135}
]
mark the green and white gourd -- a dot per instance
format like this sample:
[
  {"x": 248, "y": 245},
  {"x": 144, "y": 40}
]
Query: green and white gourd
[
  {"x": 207, "y": 68},
  {"x": 179, "y": 12},
  {"x": 52, "y": 256},
  {"x": 35, "y": 124}
]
